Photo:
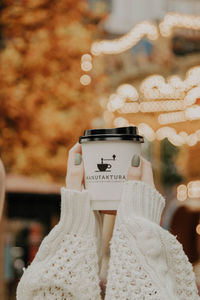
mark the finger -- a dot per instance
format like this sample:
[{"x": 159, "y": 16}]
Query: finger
[
  {"x": 73, "y": 155},
  {"x": 134, "y": 171},
  {"x": 75, "y": 169},
  {"x": 147, "y": 173},
  {"x": 76, "y": 148},
  {"x": 75, "y": 174}
]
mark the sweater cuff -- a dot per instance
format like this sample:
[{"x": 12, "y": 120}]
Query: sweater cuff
[
  {"x": 76, "y": 213},
  {"x": 143, "y": 200}
]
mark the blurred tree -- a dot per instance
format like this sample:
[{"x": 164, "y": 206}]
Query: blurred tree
[
  {"x": 169, "y": 172},
  {"x": 43, "y": 106}
]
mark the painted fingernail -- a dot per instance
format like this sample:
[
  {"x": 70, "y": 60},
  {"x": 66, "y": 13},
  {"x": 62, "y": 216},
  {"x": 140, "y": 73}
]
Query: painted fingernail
[
  {"x": 135, "y": 160},
  {"x": 78, "y": 159}
]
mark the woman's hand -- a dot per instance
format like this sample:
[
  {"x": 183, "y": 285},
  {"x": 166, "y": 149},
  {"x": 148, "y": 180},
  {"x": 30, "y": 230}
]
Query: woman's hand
[{"x": 75, "y": 169}]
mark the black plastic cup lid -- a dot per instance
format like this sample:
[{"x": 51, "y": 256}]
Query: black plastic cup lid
[{"x": 129, "y": 133}]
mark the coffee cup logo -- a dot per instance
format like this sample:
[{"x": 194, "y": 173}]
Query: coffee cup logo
[{"x": 104, "y": 167}]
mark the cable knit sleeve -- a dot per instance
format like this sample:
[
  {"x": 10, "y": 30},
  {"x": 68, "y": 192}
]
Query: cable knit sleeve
[
  {"x": 146, "y": 261},
  {"x": 66, "y": 265}
]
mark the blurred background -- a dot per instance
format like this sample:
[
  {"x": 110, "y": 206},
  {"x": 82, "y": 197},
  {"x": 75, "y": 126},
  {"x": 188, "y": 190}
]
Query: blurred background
[{"x": 67, "y": 66}]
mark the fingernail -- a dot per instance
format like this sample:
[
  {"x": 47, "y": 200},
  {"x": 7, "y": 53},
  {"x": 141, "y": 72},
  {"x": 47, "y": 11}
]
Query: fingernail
[
  {"x": 135, "y": 160},
  {"x": 78, "y": 159}
]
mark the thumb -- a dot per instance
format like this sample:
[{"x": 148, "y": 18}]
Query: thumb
[{"x": 134, "y": 171}]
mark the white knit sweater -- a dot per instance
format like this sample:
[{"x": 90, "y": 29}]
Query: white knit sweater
[{"x": 146, "y": 261}]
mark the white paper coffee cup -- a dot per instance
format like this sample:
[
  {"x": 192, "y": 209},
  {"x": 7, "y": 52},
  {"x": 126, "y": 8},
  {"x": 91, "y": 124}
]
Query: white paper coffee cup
[{"x": 107, "y": 155}]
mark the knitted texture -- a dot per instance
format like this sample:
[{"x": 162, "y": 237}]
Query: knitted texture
[
  {"x": 140, "y": 199},
  {"x": 129, "y": 276},
  {"x": 146, "y": 261},
  {"x": 180, "y": 269},
  {"x": 66, "y": 265},
  {"x": 71, "y": 273},
  {"x": 135, "y": 246}
]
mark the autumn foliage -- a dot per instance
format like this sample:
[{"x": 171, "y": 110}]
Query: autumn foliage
[{"x": 43, "y": 107}]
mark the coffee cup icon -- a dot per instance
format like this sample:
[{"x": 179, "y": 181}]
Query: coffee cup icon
[{"x": 103, "y": 167}]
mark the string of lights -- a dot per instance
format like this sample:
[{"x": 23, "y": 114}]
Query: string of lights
[
  {"x": 127, "y": 41},
  {"x": 175, "y": 95},
  {"x": 177, "y": 139},
  {"x": 175, "y": 20},
  {"x": 175, "y": 99}
]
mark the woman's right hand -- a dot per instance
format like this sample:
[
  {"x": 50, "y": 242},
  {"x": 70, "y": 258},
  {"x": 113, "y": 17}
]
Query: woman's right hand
[
  {"x": 75, "y": 169},
  {"x": 140, "y": 169}
]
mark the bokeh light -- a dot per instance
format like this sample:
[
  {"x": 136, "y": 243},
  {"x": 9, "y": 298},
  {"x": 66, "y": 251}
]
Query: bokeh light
[
  {"x": 85, "y": 80},
  {"x": 194, "y": 189},
  {"x": 182, "y": 192}
]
